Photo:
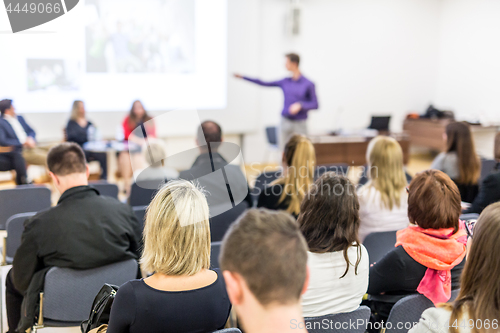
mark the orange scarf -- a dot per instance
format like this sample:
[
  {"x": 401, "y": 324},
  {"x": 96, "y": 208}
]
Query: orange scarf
[{"x": 439, "y": 250}]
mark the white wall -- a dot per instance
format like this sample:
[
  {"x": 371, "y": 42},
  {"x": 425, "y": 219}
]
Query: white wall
[
  {"x": 366, "y": 57},
  {"x": 469, "y": 59}
]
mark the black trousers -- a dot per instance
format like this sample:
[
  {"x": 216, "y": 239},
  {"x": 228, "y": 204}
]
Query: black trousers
[
  {"x": 102, "y": 159},
  {"x": 14, "y": 161},
  {"x": 13, "y": 301}
]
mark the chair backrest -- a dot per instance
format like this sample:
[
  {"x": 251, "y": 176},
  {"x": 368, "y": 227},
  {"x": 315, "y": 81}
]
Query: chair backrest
[
  {"x": 486, "y": 167},
  {"x": 340, "y": 322},
  {"x": 272, "y": 135},
  {"x": 140, "y": 214},
  {"x": 141, "y": 196},
  {"x": 220, "y": 223},
  {"x": 69, "y": 293},
  {"x": 340, "y": 169},
  {"x": 470, "y": 216},
  {"x": 378, "y": 244},
  {"x": 105, "y": 188},
  {"x": 262, "y": 181},
  {"x": 228, "y": 330},
  {"x": 454, "y": 295},
  {"x": 22, "y": 199},
  {"x": 406, "y": 312},
  {"x": 14, "y": 228},
  {"x": 214, "y": 254}
]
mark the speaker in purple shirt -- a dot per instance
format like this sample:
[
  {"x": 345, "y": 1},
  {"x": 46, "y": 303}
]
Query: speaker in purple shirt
[{"x": 300, "y": 98}]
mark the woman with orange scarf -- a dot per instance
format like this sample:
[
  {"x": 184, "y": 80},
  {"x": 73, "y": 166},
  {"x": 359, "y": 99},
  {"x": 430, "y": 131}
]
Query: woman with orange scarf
[{"x": 428, "y": 257}]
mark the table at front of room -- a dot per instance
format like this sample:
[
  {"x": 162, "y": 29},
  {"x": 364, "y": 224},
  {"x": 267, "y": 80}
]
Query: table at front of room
[{"x": 331, "y": 149}]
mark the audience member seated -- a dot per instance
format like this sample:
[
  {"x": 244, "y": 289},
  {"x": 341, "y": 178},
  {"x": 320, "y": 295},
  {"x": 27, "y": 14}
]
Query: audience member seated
[
  {"x": 15, "y": 132},
  {"x": 136, "y": 117},
  {"x": 287, "y": 192},
  {"x": 11, "y": 159},
  {"x": 77, "y": 130},
  {"x": 383, "y": 200},
  {"x": 429, "y": 254},
  {"x": 156, "y": 169},
  {"x": 489, "y": 191},
  {"x": 264, "y": 262},
  {"x": 477, "y": 307},
  {"x": 460, "y": 160},
  {"x": 338, "y": 263},
  {"x": 85, "y": 230},
  {"x": 210, "y": 135},
  {"x": 183, "y": 294}
]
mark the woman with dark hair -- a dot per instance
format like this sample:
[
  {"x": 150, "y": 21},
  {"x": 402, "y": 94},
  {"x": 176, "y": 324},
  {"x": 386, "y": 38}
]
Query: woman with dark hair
[
  {"x": 489, "y": 191},
  {"x": 429, "y": 254},
  {"x": 460, "y": 160},
  {"x": 338, "y": 262},
  {"x": 136, "y": 117},
  {"x": 477, "y": 307}
]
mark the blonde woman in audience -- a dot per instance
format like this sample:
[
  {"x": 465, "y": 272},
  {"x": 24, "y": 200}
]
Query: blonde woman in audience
[
  {"x": 338, "y": 263},
  {"x": 383, "y": 200},
  {"x": 183, "y": 294},
  {"x": 287, "y": 192},
  {"x": 477, "y": 308}
]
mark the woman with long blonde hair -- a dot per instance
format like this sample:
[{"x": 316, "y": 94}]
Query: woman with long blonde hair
[
  {"x": 287, "y": 192},
  {"x": 383, "y": 200},
  {"x": 183, "y": 294}
]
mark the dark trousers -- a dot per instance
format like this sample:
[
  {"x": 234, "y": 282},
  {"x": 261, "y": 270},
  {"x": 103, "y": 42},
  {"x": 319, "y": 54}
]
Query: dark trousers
[
  {"x": 102, "y": 159},
  {"x": 14, "y": 161},
  {"x": 13, "y": 301}
]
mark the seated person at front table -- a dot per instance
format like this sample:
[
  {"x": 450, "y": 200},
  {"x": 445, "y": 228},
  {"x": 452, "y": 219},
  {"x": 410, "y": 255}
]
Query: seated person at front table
[
  {"x": 460, "y": 161},
  {"x": 216, "y": 191},
  {"x": 287, "y": 192},
  {"x": 338, "y": 263},
  {"x": 478, "y": 303},
  {"x": 183, "y": 294},
  {"x": 156, "y": 170},
  {"x": 136, "y": 117},
  {"x": 489, "y": 191},
  {"x": 68, "y": 234},
  {"x": 10, "y": 159},
  {"x": 383, "y": 200},
  {"x": 431, "y": 249},
  {"x": 264, "y": 262},
  {"x": 77, "y": 130}
]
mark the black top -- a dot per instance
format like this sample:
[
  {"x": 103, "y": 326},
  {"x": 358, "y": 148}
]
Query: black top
[
  {"x": 85, "y": 230},
  {"x": 76, "y": 133},
  {"x": 399, "y": 274},
  {"x": 270, "y": 196},
  {"x": 489, "y": 192},
  {"x": 139, "y": 308}
]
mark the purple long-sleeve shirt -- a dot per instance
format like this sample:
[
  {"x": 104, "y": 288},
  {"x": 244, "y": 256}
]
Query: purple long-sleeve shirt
[{"x": 301, "y": 90}]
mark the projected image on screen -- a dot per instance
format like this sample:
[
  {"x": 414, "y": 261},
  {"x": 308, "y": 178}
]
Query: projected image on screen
[
  {"x": 52, "y": 74},
  {"x": 130, "y": 36}
]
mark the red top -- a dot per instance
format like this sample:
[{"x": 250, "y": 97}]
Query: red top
[{"x": 127, "y": 130}]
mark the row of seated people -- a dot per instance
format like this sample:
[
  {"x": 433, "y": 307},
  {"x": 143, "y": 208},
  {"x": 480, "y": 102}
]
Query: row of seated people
[{"x": 263, "y": 257}]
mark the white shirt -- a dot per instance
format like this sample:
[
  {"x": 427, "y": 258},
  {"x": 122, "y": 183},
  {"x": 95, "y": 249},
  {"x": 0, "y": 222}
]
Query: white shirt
[
  {"x": 437, "y": 320},
  {"x": 17, "y": 127},
  {"x": 374, "y": 217},
  {"x": 327, "y": 293}
]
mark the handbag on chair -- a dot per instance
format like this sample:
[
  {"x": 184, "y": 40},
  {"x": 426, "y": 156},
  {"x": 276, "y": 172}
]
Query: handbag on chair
[{"x": 101, "y": 309}]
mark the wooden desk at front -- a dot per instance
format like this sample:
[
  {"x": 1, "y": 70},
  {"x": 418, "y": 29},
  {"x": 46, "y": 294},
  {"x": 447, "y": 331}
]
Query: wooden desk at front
[{"x": 332, "y": 149}]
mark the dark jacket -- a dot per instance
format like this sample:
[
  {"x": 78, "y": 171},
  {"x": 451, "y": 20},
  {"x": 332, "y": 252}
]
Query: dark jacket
[
  {"x": 76, "y": 133},
  {"x": 7, "y": 135},
  {"x": 489, "y": 192}
]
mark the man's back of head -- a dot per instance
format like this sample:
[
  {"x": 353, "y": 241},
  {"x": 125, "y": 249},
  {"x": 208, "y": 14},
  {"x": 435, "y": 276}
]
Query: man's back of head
[
  {"x": 67, "y": 166},
  {"x": 264, "y": 258},
  {"x": 210, "y": 134}
]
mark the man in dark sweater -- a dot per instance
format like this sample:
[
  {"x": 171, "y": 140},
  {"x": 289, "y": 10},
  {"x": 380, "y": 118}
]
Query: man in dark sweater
[{"x": 85, "y": 230}]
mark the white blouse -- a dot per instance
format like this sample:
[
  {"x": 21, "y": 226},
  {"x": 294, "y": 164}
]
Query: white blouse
[
  {"x": 377, "y": 218},
  {"x": 327, "y": 293}
]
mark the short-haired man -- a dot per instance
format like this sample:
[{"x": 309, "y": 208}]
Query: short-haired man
[
  {"x": 15, "y": 132},
  {"x": 263, "y": 259},
  {"x": 85, "y": 230},
  {"x": 300, "y": 98},
  {"x": 224, "y": 183}
]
